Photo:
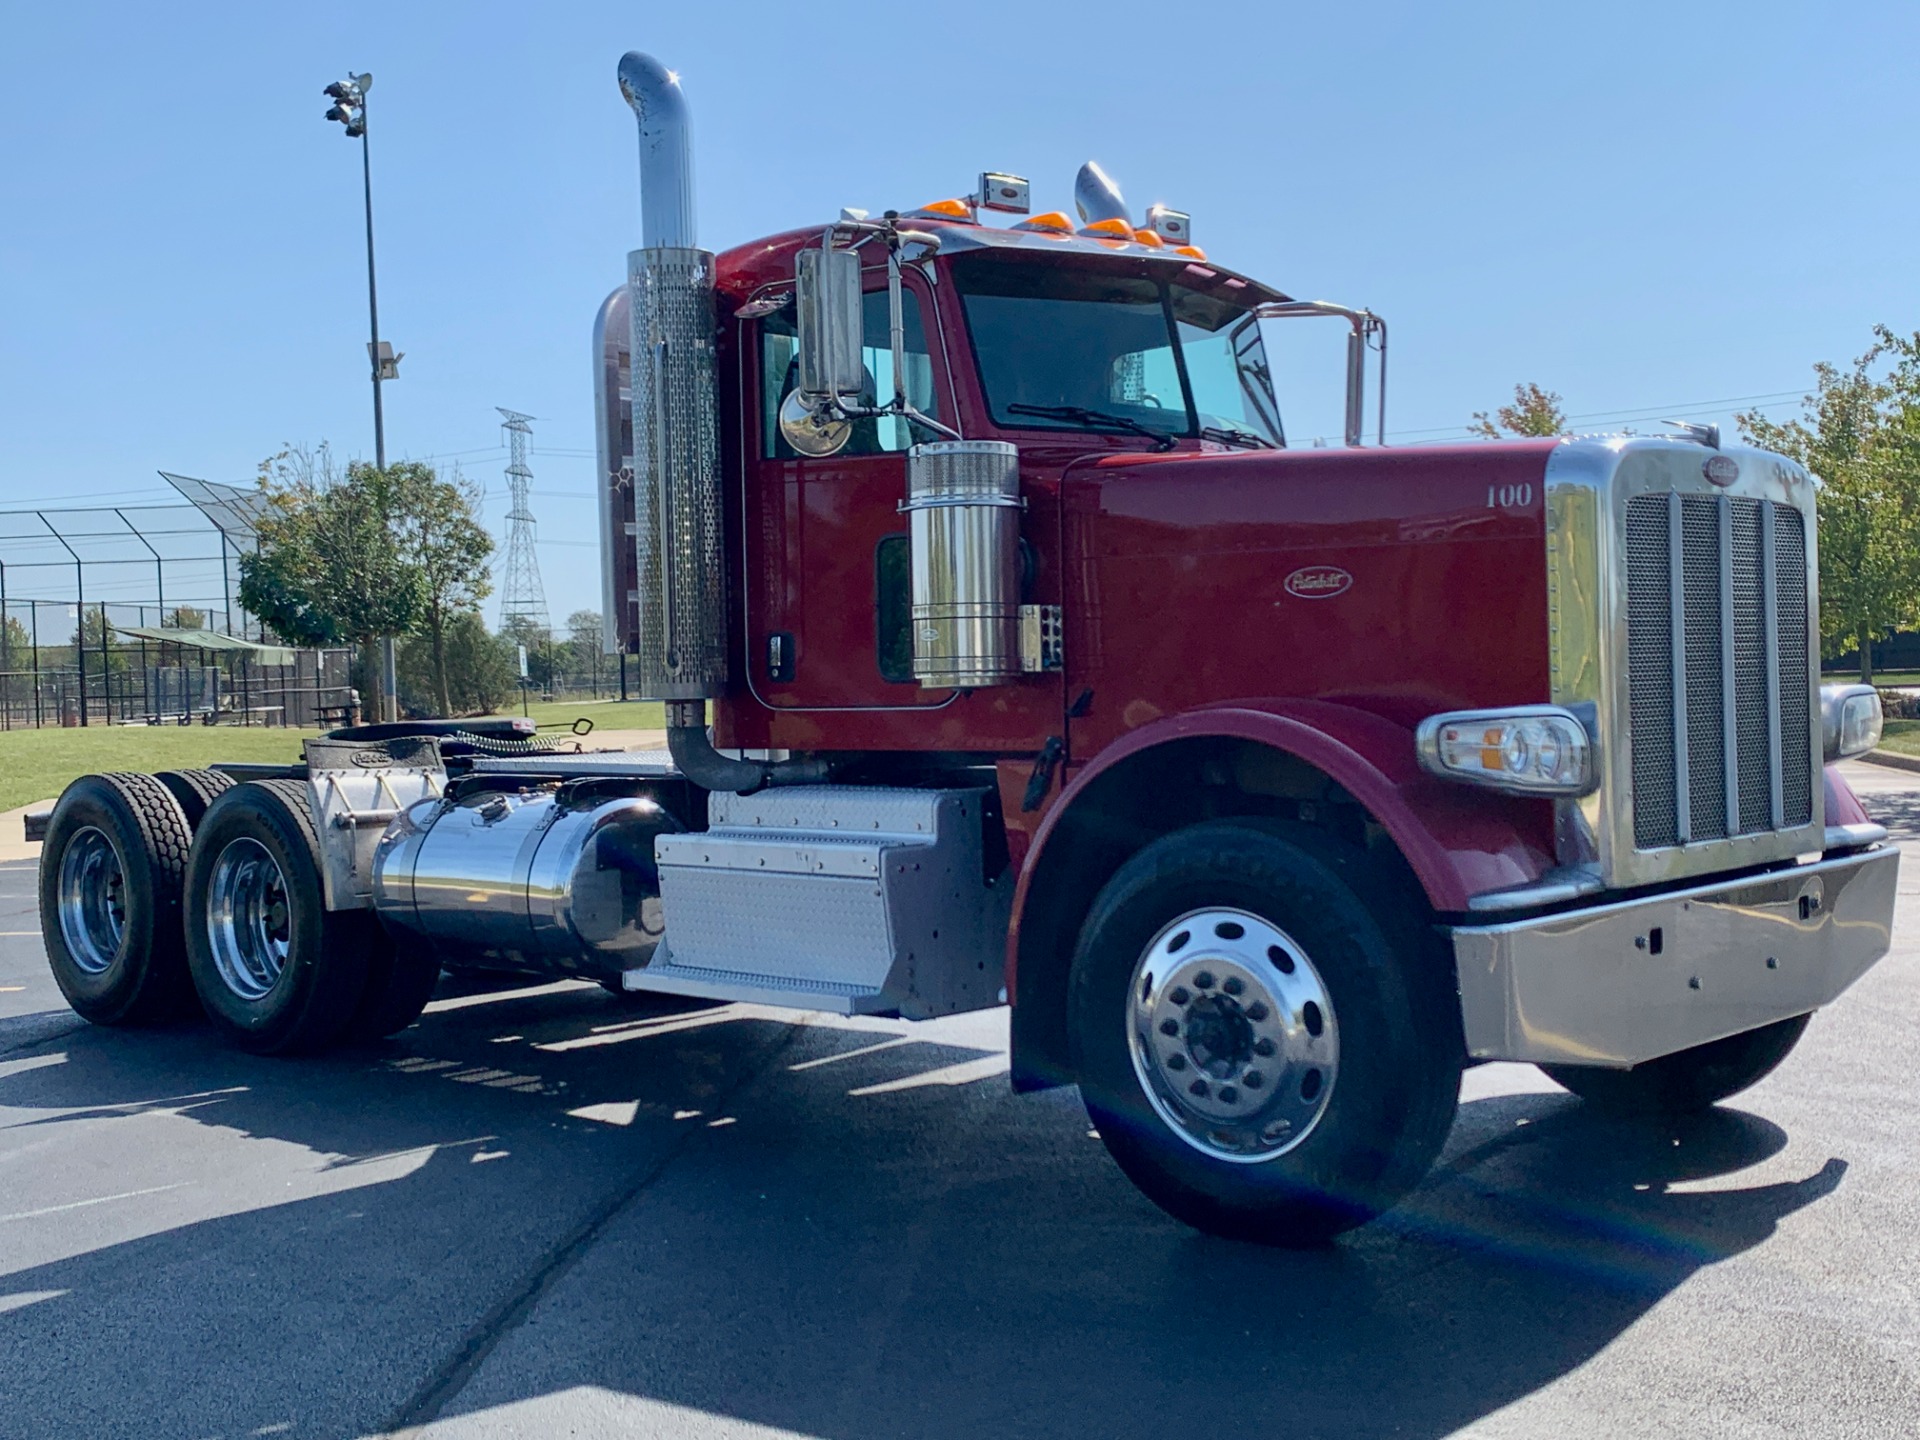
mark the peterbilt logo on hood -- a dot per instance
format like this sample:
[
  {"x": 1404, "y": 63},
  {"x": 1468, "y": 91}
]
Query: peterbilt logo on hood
[
  {"x": 1318, "y": 582},
  {"x": 1721, "y": 469}
]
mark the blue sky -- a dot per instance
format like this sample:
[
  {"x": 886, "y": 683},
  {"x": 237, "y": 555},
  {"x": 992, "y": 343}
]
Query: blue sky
[{"x": 1649, "y": 208}]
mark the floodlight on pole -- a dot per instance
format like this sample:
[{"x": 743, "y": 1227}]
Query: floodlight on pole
[{"x": 349, "y": 111}]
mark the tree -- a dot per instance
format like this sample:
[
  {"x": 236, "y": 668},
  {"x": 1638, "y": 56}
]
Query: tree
[
  {"x": 97, "y": 635},
  {"x": 1533, "y": 412},
  {"x": 330, "y": 568},
  {"x": 442, "y": 540},
  {"x": 15, "y": 641},
  {"x": 184, "y": 617},
  {"x": 480, "y": 669},
  {"x": 539, "y": 642},
  {"x": 584, "y": 645},
  {"x": 1859, "y": 432}
]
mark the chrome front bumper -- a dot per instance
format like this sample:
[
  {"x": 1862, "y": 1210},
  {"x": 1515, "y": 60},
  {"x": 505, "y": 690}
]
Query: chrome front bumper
[{"x": 1617, "y": 984}]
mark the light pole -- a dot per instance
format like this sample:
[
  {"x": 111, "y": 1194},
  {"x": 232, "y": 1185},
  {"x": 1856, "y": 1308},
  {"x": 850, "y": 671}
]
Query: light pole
[{"x": 349, "y": 98}]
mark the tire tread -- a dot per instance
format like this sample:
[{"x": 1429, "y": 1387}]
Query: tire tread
[
  {"x": 161, "y": 990},
  {"x": 195, "y": 790},
  {"x": 1400, "y": 962},
  {"x": 335, "y": 978}
]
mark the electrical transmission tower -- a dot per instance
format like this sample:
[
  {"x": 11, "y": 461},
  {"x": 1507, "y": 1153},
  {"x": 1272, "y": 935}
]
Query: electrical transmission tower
[{"x": 522, "y": 597}]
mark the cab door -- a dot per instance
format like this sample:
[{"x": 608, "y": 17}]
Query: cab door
[{"x": 824, "y": 544}]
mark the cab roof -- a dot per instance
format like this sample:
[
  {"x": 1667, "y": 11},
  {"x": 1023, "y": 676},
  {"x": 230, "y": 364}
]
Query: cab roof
[{"x": 746, "y": 269}]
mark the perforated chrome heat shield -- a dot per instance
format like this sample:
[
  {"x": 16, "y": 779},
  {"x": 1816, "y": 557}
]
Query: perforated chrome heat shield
[{"x": 681, "y": 650}]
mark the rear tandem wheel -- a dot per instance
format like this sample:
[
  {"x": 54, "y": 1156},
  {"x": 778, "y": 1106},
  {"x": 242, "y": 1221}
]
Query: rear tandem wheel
[
  {"x": 111, "y": 875},
  {"x": 276, "y": 970},
  {"x": 195, "y": 790}
]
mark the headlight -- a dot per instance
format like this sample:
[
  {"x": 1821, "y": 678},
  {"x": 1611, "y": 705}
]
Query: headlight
[
  {"x": 1850, "y": 720},
  {"x": 1528, "y": 750}
]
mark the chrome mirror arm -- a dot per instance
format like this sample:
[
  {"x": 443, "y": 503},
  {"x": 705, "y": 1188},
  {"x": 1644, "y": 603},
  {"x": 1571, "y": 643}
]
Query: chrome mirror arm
[
  {"x": 896, "y": 237},
  {"x": 1365, "y": 327}
]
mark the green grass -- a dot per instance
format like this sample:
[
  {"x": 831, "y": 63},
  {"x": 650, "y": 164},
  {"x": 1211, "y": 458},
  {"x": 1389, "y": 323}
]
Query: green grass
[
  {"x": 1880, "y": 677},
  {"x": 1902, "y": 737},
  {"x": 605, "y": 714},
  {"x": 37, "y": 764}
]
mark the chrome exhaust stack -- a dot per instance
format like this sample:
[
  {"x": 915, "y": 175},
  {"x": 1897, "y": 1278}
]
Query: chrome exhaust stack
[
  {"x": 1096, "y": 195},
  {"x": 680, "y": 610},
  {"x": 666, "y": 152},
  {"x": 680, "y": 643},
  {"x": 613, "y": 436}
]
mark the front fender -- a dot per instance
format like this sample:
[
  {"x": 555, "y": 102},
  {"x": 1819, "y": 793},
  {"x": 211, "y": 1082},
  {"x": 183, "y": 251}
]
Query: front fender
[{"x": 1458, "y": 842}]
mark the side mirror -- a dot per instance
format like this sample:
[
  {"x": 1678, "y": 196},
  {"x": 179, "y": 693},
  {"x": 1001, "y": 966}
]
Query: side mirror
[{"x": 828, "y": 320}]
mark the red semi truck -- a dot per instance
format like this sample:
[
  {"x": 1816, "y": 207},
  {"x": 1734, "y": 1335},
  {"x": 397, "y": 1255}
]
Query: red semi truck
[{"x": 1270, "y": 787}]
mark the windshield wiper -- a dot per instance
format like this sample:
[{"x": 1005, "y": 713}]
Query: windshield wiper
[
  {"x": 1095, "y": 418},
  {"x": 1227, "y": 435}
]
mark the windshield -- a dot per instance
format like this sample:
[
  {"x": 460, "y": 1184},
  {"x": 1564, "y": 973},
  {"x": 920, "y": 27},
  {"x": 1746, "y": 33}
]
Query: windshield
[{"x": 1088, "y": 348}]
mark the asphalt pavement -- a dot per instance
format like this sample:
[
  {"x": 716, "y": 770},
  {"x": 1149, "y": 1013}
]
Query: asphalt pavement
[{"x": 545, "y": 1212}]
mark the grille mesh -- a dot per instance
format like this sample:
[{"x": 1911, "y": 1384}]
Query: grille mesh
[
  {"x": 1796, "y": 715},
  {"x": 1750, "y": 671},
  {"x": 1723, "y": 554},
  {"x": 1706, "y": 733},
  {"x": 1650, "y": 671}
]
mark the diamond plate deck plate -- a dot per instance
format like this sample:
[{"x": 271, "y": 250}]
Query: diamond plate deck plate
[{"x": 851, "y": 899}]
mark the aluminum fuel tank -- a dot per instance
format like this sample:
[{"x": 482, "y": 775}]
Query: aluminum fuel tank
[{"x": 527, "y": 880}]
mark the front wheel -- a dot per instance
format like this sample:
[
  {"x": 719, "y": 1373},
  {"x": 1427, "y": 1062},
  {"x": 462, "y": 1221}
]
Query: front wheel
[
  {"x": 1266, "y": 1037},
  {"x": 1688, "y": 1080}
]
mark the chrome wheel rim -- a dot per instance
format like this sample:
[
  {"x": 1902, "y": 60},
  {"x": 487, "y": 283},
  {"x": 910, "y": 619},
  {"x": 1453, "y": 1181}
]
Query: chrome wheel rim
[
  {"x": 1233, "y": 1035},
  {"x": 249, "y": 923},
  {"x": 93, "y": 900}
]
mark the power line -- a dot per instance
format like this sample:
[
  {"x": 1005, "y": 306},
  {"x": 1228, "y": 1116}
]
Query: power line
[{"x": 1674, "y": 408}]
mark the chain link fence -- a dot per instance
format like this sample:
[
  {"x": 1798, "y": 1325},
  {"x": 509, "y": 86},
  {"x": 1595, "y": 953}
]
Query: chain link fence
[
  {"x": 66, "y": 664},
  {"x": 77, "y": 582}
]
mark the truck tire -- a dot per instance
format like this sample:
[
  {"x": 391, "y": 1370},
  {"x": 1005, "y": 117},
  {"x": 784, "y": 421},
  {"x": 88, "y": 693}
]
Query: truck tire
[
  {"x": 401, "y": 975},
  {"x": 1266, "y": 1036},
  {"x": 276, "y": 971},
  {"x": 195, "y": 790},
  {"x": 1688, "y": 1080},
  {"x": 111, "y": 877}
]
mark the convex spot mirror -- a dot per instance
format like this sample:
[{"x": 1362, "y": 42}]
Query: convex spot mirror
[{"x": 815, "y": 430}]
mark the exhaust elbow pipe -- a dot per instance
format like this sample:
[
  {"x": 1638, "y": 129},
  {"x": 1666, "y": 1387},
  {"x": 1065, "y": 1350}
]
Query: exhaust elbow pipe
[
  {"x": 666, "y": 151},
  {"x": 694, "y": 756}
]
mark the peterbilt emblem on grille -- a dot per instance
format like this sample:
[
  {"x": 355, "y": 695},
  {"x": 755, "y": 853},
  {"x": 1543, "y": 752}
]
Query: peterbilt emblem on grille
[
  {"x": 1318, "y": 582},
  {"x": 1721, "y": 469}
]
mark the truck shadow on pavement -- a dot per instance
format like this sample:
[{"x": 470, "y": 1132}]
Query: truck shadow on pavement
[{"x": 822, "y": 1228}]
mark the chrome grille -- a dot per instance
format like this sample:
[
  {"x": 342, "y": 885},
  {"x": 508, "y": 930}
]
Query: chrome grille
[{"x": 1717, "y": 668}]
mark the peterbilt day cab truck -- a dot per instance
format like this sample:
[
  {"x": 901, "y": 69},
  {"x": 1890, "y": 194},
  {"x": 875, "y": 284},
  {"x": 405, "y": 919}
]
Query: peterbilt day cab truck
[{"x": 1011, "y": 656}]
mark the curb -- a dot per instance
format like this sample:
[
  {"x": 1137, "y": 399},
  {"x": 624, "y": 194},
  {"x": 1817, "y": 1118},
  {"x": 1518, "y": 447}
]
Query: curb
[{"x": 1890, "y": 760}]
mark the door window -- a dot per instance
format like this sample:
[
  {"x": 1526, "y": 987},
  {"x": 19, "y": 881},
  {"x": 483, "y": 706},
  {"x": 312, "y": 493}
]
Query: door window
[{"x": 780, "y": 371}]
